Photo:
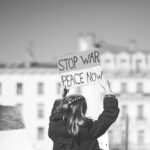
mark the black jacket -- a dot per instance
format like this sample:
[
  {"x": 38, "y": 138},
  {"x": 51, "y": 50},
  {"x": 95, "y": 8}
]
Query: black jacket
[{"x": 88, "y": 132}]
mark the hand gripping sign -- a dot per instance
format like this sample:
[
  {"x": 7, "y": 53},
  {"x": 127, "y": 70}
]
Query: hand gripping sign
[{"x": 80, "y": 69}]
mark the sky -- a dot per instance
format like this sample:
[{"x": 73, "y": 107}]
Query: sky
[{"x": 51, "y": 27}]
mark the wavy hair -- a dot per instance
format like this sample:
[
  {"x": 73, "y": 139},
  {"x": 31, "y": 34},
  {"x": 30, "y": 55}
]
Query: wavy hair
[{"x": 75, "y": 113}]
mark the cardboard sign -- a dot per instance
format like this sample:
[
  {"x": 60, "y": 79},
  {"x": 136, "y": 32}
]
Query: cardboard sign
[
  {"x": 81, "y": 77},
  {"x": 80, "y": 69}
]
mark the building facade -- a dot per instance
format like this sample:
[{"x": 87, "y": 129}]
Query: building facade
[{"x": 35, "y": 86}]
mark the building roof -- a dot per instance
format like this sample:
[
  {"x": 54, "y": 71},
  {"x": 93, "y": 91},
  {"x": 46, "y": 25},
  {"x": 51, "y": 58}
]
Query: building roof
[
  {"x": 29, "y": 68},
  {"x": 117, "y": 49},
  {"x": 29, "y": 65}
]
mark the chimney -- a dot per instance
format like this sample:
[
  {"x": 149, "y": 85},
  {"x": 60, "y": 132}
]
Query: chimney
[
  {"x": 82, "y": 43},
  {"x": 86, "y": 42}
]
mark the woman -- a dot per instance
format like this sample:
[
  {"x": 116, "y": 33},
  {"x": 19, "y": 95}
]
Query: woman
[{"x": 70, "y": 129}]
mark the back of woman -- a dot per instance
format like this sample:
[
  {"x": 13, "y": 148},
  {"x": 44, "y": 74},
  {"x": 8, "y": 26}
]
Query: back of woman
[{"x": 70, "y": 129}]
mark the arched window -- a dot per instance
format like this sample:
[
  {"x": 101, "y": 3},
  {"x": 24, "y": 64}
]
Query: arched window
[
  {"x": 140, "y": 109},
  {"x": 19, "y": 88}
]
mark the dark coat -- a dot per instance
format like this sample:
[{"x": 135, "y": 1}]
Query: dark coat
[{"x": 88, "y": 132}]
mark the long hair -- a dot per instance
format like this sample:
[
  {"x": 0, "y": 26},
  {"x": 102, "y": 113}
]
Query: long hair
[{"x": 75, "y": 113}]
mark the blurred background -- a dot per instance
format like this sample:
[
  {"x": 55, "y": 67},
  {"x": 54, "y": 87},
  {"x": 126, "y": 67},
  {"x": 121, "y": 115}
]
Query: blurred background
[{"x": 35, "y": 33}]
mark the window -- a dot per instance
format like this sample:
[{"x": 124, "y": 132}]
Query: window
[
  {"x": 124, "y": 111},
  {"x": 139, "y": 87},
  {"x": 140, "y": 137},
  {"x": 0, "y": 88},
  {"x": 123, "y": 87},
  {"x": 19, "y": 89},
  {"x": 40, "y": 134},
  {"x": 140, "y": 112},
  {"x": 40, "y": 110},
  {"x": 58, "y": 87},
  {"x": 40, "y": 88}
]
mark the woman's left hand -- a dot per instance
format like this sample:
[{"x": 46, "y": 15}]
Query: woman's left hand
[{"x": 63, "y": 91}]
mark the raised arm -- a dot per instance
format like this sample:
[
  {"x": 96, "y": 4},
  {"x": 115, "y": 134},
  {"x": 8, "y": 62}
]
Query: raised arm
[{"x": 109, "y": 114}]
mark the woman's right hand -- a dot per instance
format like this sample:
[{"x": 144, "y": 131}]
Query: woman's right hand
[{"x": 105, "y": 84}]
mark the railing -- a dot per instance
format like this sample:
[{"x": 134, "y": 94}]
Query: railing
[
  {"x": 126, "y": 73},
  {"x": 132, "y": 94}
]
